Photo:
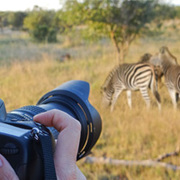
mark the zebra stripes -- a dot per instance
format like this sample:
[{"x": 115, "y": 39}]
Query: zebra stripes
[
  {"x": 171, "y": 71},
  {"x": 130, "y": 77}
]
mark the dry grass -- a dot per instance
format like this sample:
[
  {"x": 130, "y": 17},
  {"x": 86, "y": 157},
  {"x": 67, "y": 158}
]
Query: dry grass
[{"x": 135, "y": 134}]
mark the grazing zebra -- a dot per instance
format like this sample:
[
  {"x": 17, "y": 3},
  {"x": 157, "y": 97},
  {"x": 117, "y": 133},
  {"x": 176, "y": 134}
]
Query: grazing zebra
[
  {"x": 171, "y": 71},
  {"x": 130, "y": 77}
]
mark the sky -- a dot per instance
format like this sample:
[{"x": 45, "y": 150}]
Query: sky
[{"x": 22, "y": 5}]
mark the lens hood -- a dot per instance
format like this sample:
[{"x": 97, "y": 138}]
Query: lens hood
[{"x": 72, "y": 98}]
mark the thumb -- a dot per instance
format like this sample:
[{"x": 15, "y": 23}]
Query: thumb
[{"x": 6, "y": 171}]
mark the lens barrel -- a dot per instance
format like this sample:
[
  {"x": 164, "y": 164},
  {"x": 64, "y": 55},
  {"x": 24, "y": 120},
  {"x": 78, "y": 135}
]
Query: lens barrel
[{"x": 72, "y": 98}]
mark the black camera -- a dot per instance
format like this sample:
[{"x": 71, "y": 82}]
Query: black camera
[{"x": 21, "y": 139}]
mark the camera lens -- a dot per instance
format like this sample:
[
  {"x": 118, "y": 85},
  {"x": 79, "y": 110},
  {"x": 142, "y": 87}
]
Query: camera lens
[{"x": 72, "y": 98}]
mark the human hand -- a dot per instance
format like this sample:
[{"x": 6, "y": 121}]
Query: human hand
[
  {"x": 6, "y": 171},
  {"x": 65, "y": 151},
  {"x": 67, "y": 143}
]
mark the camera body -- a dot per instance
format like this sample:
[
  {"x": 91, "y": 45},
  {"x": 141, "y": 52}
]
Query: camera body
[
  {"x": 21, "y": 138},
  {"x": 23, "y": 152}
]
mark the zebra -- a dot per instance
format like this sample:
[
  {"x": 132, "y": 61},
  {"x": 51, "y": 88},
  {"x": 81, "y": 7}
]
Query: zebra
[
  {"x": 130, "y": 77},
  {"x": 153, "y": 60},
  {"x": 171, "y": 71}
]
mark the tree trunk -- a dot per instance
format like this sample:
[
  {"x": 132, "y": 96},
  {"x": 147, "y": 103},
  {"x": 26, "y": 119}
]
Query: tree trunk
[
  {"x": 124, "y": 46},
  {"x": 114, "y": 40},
  {"x": 122, "y": 55}
]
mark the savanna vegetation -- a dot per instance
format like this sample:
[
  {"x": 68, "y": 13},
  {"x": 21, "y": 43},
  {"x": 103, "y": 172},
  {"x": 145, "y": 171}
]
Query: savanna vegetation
[{"x": 29, "y": 69}]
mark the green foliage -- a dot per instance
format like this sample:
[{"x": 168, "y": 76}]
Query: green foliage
[
  {"x": 52, "y": 35},
  {"x": 165, "y": 11},
  {"x": 40, "y": 32},
  {"x": 12, "y": 19},
  {"x": 73, "y": 13},
  {"x": 16, "y": 19},
  {"x": 177, "y": 10},
  {"x": 41, "y": 26},
  {"x": 120, "y": 20}
]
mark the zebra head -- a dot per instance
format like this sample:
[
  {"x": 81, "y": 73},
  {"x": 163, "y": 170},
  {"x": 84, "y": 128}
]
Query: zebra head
[
  {"x": 166, "y": 56},
  {"x": 106, "y": 96},
  {"x": 145, "y": 58}
]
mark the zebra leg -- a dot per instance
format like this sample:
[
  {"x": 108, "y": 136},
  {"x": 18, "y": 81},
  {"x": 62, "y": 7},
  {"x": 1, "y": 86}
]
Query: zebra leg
[
  {"x": 145, "y": 96},
  {"x": 173, "y": 96},
  {"x": 177, "y": 97},
  {"x": 129, "y": 98},
  {"x": 114, "y": 99},
  {"x": 158, "y": 99}
]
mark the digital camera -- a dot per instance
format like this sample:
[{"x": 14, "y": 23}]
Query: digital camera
[{"x": 28, "y": 145}]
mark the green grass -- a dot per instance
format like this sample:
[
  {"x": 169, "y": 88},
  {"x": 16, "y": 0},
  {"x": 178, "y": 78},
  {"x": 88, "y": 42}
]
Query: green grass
[{"x": 28, "y": 71}]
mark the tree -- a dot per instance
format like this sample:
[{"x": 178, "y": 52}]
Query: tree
[
  {"x": 15, "y": 19},
  {"x": 70, "y": 17},
  {"x": 41, "y": 26},
  {"x": 121, "y": 20}
]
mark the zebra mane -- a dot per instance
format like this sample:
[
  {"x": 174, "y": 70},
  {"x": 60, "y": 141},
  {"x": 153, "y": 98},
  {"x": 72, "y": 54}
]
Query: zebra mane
[{"x": 109, "y": 77}]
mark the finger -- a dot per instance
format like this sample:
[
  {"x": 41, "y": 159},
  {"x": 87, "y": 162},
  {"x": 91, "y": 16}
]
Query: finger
[
  {"x": 68, "y": 127},
  {"x": 55, "y": 118},
  {"x": 6, "y": 171},
  {"x": 79, "y": 175},
  {"x": 68, "y": 139}
]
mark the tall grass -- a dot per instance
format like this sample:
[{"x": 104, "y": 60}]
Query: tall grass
[{"x": 135, "y": 134}]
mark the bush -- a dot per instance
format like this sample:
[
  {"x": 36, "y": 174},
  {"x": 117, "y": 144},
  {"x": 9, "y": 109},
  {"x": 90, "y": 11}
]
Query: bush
[
  {"x": 44, "y": 34},
  {"x": 52, "y": 35},
  {"x": 41, "y": 26}
]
